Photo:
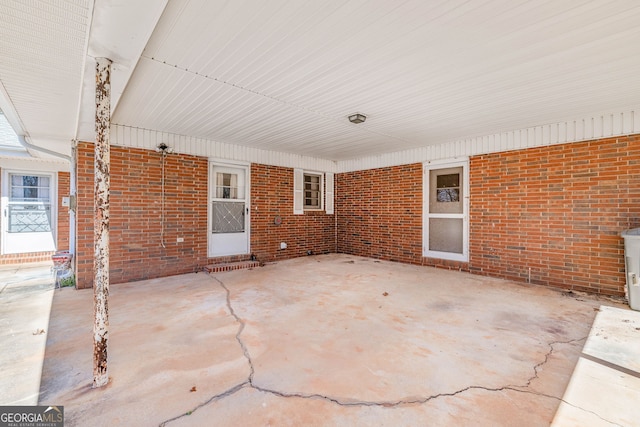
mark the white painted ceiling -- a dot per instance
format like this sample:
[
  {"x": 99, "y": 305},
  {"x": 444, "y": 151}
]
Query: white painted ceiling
[
  {"x": 9, "y": 144},
  {"x": 283, "y": 75}
]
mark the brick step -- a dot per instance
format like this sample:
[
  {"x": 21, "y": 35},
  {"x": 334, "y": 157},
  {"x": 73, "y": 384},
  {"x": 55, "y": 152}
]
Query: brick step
[{"x": 228, "y": 266}]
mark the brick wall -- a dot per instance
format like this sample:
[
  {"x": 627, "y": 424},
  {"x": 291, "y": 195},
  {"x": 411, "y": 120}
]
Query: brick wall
[
  {"x": 558, "y": 211},
  {"x": 136, "y": 250},
  {"x": 63, "y": 212},
  {"x": 380, "y": 213},
  {"x": 25, "y": 258},
  {"x": 62, "y": 236},
  {"x": 272, "y": 196}
]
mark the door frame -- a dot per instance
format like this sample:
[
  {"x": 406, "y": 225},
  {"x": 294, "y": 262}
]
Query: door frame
[
  {"x": 246, "y": 166},
  {"x": 427, "y": 167},
  {"x": 4, "y": 204}
]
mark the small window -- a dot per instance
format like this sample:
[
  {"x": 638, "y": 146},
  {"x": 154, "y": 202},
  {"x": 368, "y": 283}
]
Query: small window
[
  {"x": 312, "y": 191},
  {"x": 448, "y": 188},
  {"x": 29, "y": 188},
  {"x": 226, "y": 185},
  {"x": 29, "y": 204}
]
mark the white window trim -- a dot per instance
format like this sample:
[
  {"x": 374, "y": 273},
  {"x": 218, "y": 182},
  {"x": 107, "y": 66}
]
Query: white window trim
[
  {"x": 298, "y": 192},
  {"x": 321, "y": 191},
  {"x": 4, "y": 202},
  {"x": 427, "y": 167},
  {"x": 327, "y": 190}
]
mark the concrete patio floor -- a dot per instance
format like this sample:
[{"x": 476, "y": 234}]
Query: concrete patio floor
[
  {"x": 321, "y": 340},
  {"x": 26, "y": 292}
]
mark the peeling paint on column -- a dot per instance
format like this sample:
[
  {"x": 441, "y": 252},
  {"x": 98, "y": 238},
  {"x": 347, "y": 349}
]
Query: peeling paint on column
[{"x": 101, "y": 223}]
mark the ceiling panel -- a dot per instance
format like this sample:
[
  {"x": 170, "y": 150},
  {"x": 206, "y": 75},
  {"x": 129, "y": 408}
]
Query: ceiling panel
[
  {"x": 284, "y": 75},
  {"x": 42, "y": 49}
]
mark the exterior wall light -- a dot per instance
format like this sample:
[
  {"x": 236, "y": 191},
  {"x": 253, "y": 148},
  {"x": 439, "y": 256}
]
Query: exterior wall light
[
  {"x": 164, "y": 148},
  {"x": 357, "y": 118}
]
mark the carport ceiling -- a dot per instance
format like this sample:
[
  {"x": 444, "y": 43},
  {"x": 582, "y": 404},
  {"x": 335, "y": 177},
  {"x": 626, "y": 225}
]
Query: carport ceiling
[{"x": 284, "y": 75}]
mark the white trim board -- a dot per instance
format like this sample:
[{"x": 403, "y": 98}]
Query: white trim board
[
  {"x": 34, "y": 164},
  {"x": 126, "y": 136}
]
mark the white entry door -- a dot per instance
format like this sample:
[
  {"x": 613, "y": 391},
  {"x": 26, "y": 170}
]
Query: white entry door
[
  {"x": 446, "y": 206},
  {"x": 228, "y": 210},
  {"x": 28, "y": 212}
]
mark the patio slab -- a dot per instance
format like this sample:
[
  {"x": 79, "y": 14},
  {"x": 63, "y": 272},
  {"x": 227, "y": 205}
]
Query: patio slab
[
  {"x": 609, "y": 368},
  {"x": 321, "y": 340},
  {"x": 26, "y": 292}
]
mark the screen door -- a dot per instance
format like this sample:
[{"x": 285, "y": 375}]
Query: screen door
[
  {"x": 228, "y": 211},
  {"x": 446, "y": 220}
]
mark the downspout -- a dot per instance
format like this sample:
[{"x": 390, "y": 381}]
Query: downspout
[
  {"x": 73, "y": 201},
  {"x": 28, "y": 146}
]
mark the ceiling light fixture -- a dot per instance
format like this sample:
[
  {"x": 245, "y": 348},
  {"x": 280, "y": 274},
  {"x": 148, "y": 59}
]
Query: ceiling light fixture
[{"x": 357, "y": 118}]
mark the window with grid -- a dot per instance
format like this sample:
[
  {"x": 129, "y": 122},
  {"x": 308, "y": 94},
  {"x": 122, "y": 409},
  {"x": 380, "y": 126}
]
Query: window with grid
[
  {"x": 312, "y": 191},
  {"x": 29, "y": 204}
]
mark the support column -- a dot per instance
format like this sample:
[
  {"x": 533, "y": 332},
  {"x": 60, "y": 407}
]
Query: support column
[{"x": 101, "y": 224}]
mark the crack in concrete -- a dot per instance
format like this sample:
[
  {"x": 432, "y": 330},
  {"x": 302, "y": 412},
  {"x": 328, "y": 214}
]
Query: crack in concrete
[
  {"x": 354, "y": 403},
  {"x": 535, "y": 376},
  {"x": 546, "y": 359},
  {"x": 245, "y": 350},
  {"x": 222, "y": 395}
]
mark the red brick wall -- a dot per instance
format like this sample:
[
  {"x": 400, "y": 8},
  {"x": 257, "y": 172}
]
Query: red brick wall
[
  {"x": 271, "y": 196},
  {"x": 380, "y": 213},
  {"x": 136, "y": 251},
  {"x": 63, "y": 212},
  {"x": 557, "y": 210},
  {"x": 62, "y": 242},
  {"x": 25, "y": 258}
]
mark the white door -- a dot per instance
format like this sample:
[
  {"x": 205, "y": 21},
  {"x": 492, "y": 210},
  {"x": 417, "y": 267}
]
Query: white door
[
  {"x": 228, "y": 210},
  {"x": 28, "y": 212},
  {"x": 446, "y": 225}
]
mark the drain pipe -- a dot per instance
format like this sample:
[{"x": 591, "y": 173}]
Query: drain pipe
[{"x": 22, "y": 140}]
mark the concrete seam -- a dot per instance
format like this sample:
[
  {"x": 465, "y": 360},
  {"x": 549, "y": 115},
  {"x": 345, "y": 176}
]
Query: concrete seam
[
  {"x": 535, "y": 376},
  {"x": 591, "y": 412},
  {"x": 512, "y": 388}
]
